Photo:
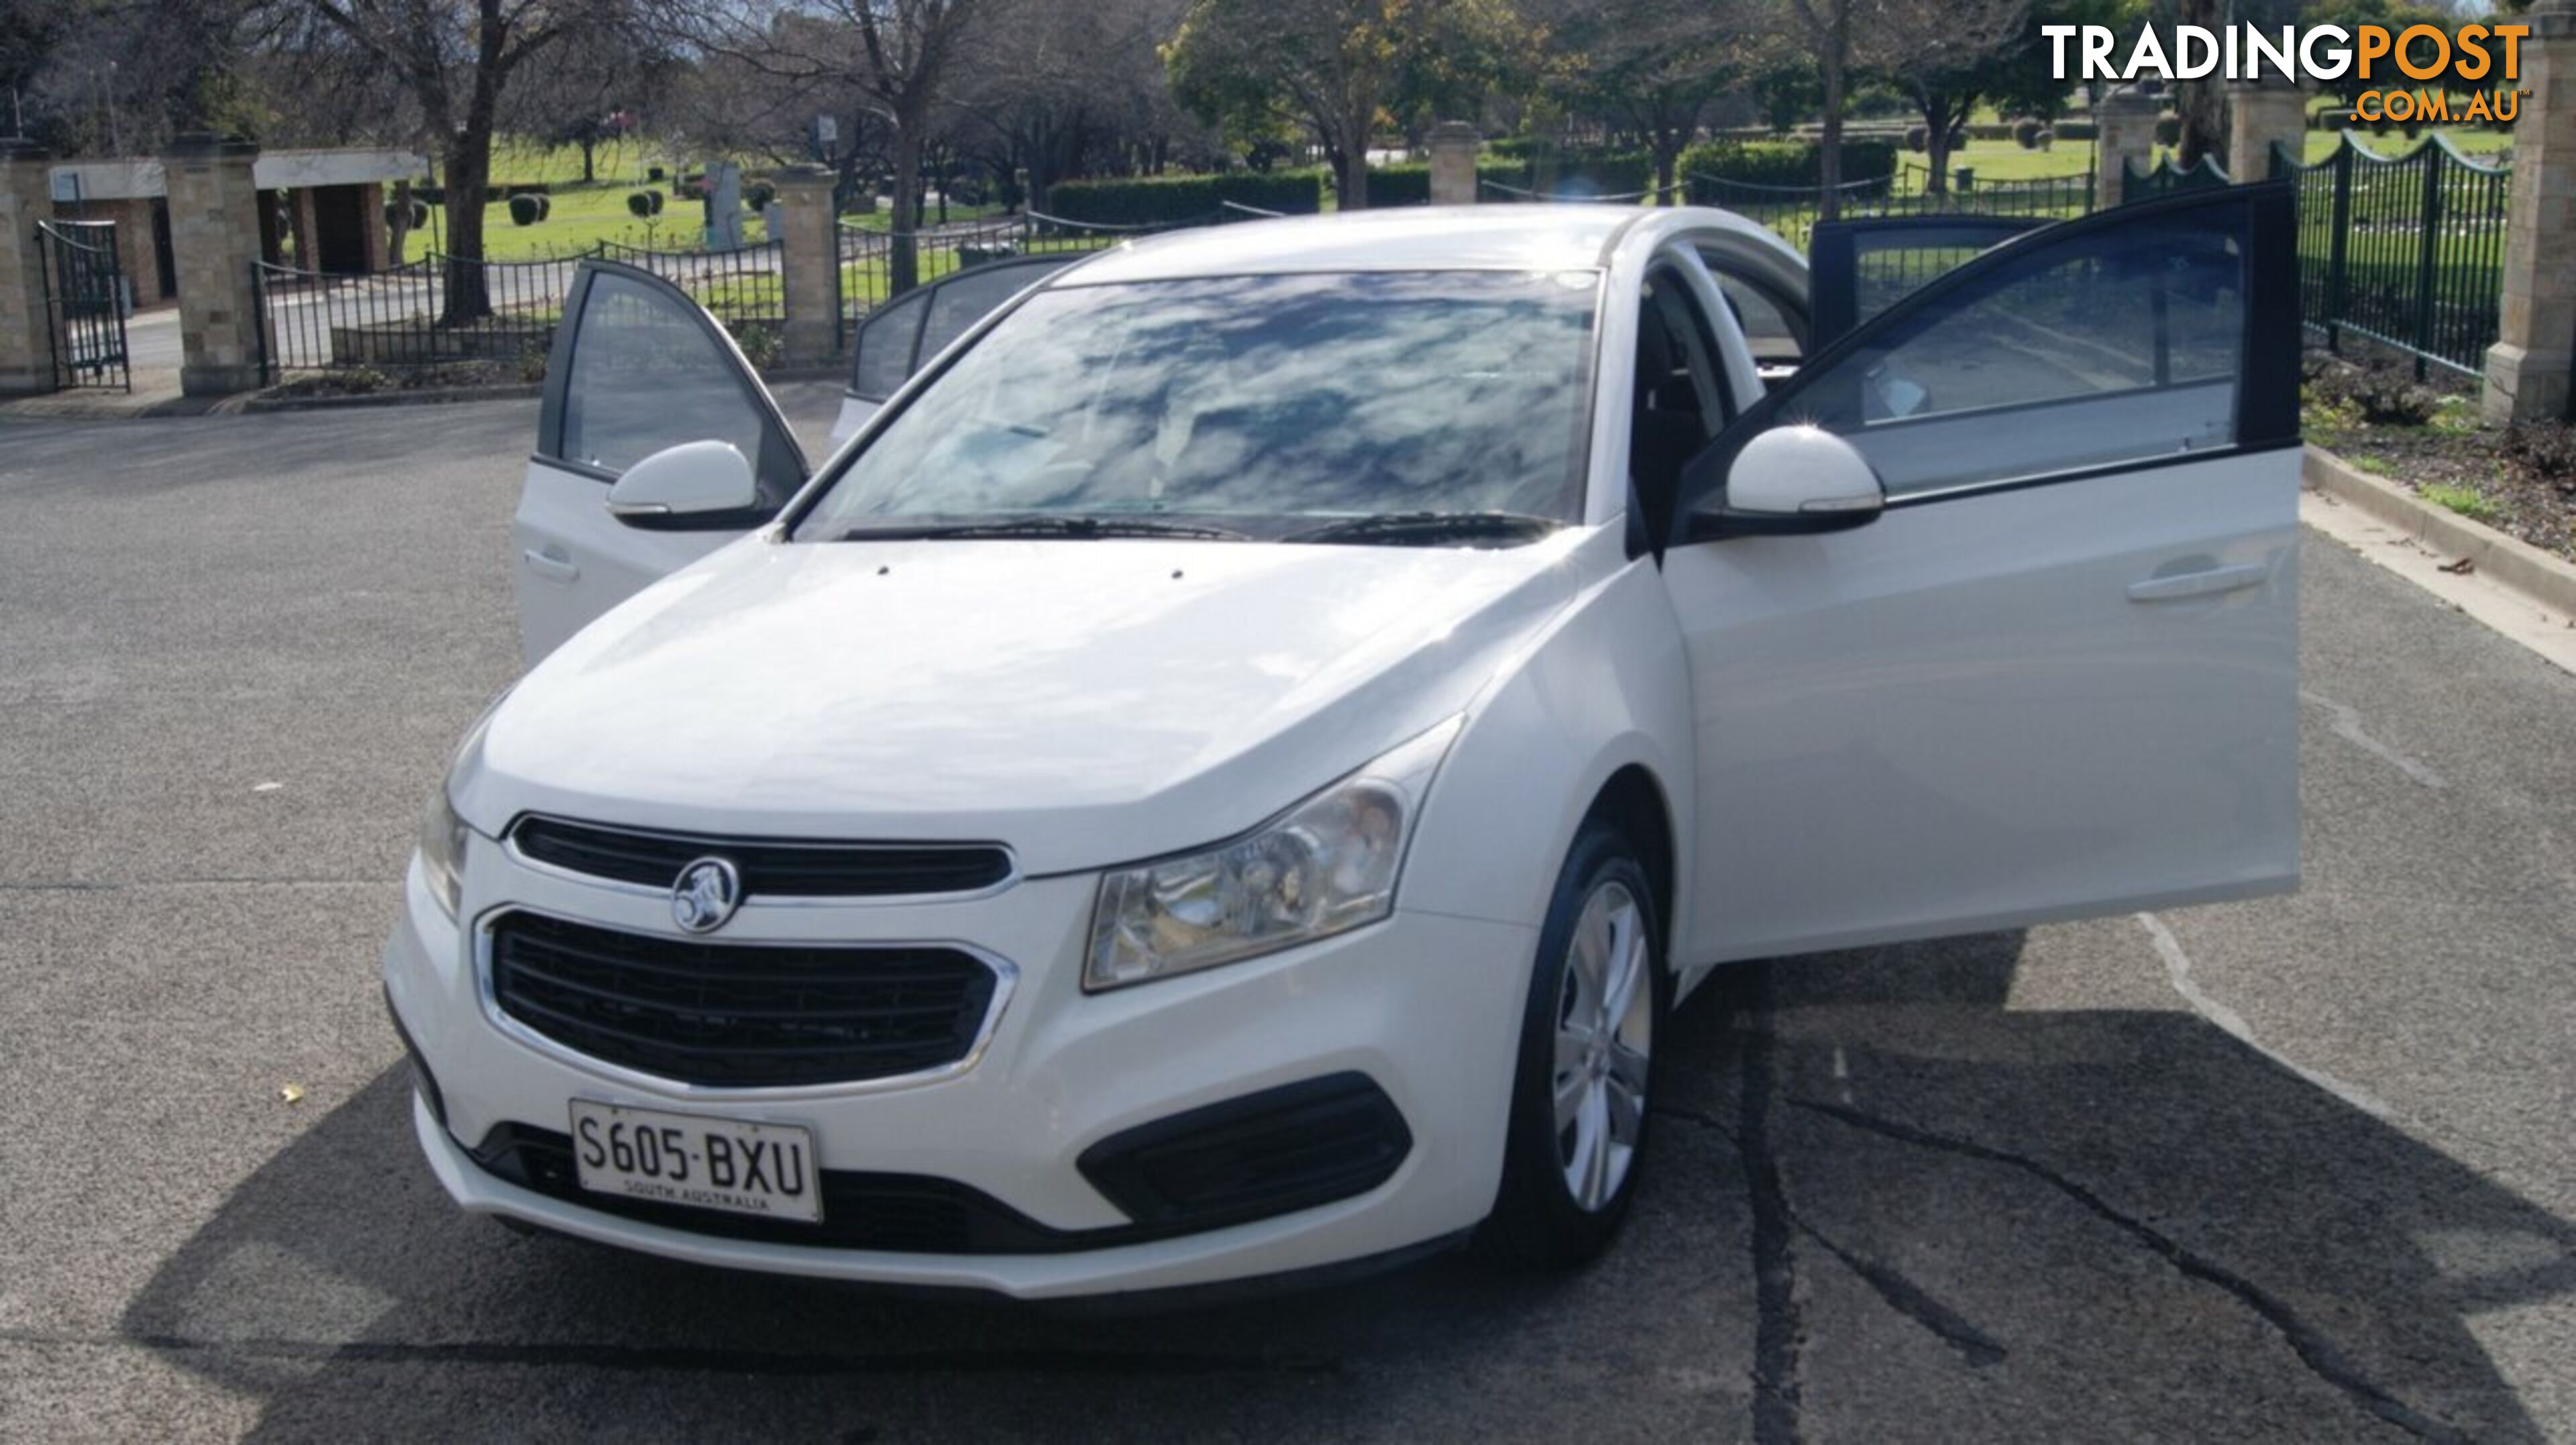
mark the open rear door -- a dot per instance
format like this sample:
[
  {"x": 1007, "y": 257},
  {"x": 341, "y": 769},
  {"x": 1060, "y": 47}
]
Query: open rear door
[
  {"x": 901, "y": 337},
  {"x": 1857, "y": 267},
  {"x": 637, "y": 366}
]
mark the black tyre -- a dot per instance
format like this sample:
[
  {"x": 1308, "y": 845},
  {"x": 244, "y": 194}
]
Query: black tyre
[{"x": 1598, "y": 997}]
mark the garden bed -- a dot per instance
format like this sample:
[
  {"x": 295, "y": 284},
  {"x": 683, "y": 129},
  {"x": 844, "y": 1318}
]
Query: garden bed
[{"x": 2427, "y": 438}]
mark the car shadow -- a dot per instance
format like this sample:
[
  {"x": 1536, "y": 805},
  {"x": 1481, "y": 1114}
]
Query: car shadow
[{"x": 1887, "y": 1206}]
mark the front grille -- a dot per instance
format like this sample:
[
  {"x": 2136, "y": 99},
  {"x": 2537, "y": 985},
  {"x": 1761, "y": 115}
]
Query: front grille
[
  {"x": 737, "y": 1016},
  {"x": 779, "y": 868}
]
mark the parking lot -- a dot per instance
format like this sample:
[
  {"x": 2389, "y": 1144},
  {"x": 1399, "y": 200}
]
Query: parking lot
[{"x": 2294, "y": 1169}]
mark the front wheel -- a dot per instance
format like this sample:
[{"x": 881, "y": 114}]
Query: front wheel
[{"x": 1598, "y": 993}]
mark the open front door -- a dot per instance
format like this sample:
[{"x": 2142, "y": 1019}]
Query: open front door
[
  {"x": 901, "y": 337},
  {"x": 637, "y": 366},
  {"x": 2057, "y": 675}
]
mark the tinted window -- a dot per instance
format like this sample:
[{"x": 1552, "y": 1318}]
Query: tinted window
[
  {"x": 645, "y": 375},
  {"x": 882, "y": 359},
  {"x": 1262, "y": 397},
  {"x": 968, "y": 297},
  {"x": 2121, "y": 346}
]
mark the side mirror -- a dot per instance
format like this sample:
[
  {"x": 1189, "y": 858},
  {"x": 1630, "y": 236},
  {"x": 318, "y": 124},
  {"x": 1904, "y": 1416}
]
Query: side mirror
[
  {"x": 692, "y": 479},
  {"x": 1793, "y": 479}
]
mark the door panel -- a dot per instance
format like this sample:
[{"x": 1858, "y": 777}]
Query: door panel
[
  {"x": 637, "y": 366},
  {"x": 2058, "y": 675},
  {"x": 900, "y": 337}
]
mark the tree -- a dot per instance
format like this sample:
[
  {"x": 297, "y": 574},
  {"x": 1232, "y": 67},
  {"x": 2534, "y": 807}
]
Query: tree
[
  {"x": 1825, "y": 27},
  {"x": 455, "y": 59},
  {"x": 596, "y": 82},
  {"x": 900, "y": 59},
  {"x": 1654, "y": 67},
  {"x": 1944, "y": 55},
  {"x": 1338, "y": 65}
]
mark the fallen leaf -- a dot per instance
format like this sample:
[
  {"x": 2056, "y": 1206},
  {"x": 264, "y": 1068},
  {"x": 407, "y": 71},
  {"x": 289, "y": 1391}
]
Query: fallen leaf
[
  {"x": 2461, "y": 568},
  {"x": 292, "y": 1093}
]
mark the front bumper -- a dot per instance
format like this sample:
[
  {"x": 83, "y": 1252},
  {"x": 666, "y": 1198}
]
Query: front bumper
[{"x": 1425, "y": 1007}]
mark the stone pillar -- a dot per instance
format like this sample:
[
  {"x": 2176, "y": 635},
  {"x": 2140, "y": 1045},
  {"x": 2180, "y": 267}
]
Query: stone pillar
[
  {"x": 2124, "y": 130},
  {"x": 1454, "y": 144},
  {"x": 2261, "y": 114},
  {"x": 371, "y": 220},
  {"x": 26, "y": 329},
  {"x": 2528, "y": 367},
  {"x": 214, "y": 234},
  {"x": 809, "y": 259}
]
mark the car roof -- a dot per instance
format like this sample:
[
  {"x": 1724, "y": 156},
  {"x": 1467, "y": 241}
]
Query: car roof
[{"x": 1506, "y": 237}]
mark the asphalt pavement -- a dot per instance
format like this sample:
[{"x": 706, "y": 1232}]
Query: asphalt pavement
[{"x": 2298, "y": 1169}]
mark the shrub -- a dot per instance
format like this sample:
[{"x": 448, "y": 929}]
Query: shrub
[
  {"x": 758, "y": 195},
  {"x": 1918, "y": 139},
  {"x": 2025, "y": 133},
  {"x": 2043, "y": 139},
  {"x": 1779, "y": 163},
  {"x": 653, "y": 174},
  {"x": 2546, "y": 449},
  {"x": 2073, "y": 130},
  {"x": 416, "y": 218},
  {"x": 2169, "y": 129},
  {"x": 526, "y": 210},
  {"x": 640, "y": 204},
  {"x": 2379, "y": 393},
  {"x": 1158, "y": 200}
]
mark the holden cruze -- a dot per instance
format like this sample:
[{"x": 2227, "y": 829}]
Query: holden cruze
[{"x": 1228, "y": 768}]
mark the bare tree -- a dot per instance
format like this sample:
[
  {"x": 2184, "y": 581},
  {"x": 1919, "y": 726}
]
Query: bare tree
[
  {"x": 1941, "y": 53},
  {"x": 899, "y": 58},
  {"x": 455, "y": 59},
  {"x": 1825, "y": 27}
]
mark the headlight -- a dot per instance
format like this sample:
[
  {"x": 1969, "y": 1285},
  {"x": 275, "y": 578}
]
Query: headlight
[
  {"x": 442, "y": 831},
  {"x": 1326, "y": 865},
  {"x": 442, "y": 850}
]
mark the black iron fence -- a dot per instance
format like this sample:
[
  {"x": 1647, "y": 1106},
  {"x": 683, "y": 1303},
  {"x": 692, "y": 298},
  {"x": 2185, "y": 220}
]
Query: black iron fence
[
  {"x": 85, "y": 304},
  {"x": 2404, "y": 251},
  {"x": 1792, "y": 211},
  {"x": 2165, "y": 178},
  {"x": 496, "y": 317}
]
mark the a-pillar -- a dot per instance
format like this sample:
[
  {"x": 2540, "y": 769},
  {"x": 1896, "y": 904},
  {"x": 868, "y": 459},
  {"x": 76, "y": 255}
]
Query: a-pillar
[
  {"x": 214, "y": 234},
  {"x": 2528, "y": 367},
  {"x": 809, "y": 258}
]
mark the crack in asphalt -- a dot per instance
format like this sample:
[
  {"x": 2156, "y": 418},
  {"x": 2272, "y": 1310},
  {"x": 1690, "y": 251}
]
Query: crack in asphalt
[
  {"x": 2322, "y": 1357},
  {"x": 1914, "y": 1302},
  {"x": 1779, "y": 1333},
  {"x": 2347, "y": 726},
  {"x": 773, "y": 1363},
  {"x": 2178, "y": 973}
]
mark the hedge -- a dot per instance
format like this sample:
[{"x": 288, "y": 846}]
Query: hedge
[
  {"x": 1785, "y": 163},
  {"x": 1157, "y": 200},
  {"x": 1409, "y": 183}
]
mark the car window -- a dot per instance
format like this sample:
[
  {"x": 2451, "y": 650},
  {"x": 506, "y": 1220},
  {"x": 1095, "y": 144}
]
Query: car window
[
  {"x": 2122, "y": 347},
  {"x": 964, "y": 299},
  {"x": 646, "y": 374},
  {"x": 1776, "y": 339},
  {"x": 1252, "y": 398},
  {"x": 883, "y": 349}
]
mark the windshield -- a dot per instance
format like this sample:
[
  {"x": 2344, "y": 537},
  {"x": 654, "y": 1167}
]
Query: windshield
[{"x": 1263, "y": 404}]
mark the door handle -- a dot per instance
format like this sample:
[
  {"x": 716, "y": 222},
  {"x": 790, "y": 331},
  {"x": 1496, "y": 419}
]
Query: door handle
[
  {"x": 2206, "y": 583},
  {"x": 553, "y": 569}
]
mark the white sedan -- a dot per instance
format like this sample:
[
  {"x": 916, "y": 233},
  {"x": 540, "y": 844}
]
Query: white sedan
[{"x": 1228, "y": 770}]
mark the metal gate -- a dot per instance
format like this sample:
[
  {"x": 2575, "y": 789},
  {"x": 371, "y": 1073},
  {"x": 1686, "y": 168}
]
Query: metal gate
[{"x": 85, "y": 304}]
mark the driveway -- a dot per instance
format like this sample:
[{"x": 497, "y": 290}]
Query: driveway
[{"x": 2295, "y": 1169}]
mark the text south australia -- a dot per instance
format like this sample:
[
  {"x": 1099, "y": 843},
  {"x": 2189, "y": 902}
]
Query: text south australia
[{"x": 2457, "y": 75}]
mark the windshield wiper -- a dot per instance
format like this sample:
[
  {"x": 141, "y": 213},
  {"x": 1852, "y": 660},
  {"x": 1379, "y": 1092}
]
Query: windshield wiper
[
  {"x": 1078, "y": 528},
  {"x": 1403, "y": 527}
]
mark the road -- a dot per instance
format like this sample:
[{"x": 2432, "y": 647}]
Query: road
[{"x": 2296, "y": 1169}]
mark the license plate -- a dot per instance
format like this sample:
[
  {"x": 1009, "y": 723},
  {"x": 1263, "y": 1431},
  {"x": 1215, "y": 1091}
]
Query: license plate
[{"x": 727, "y": 1164}]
